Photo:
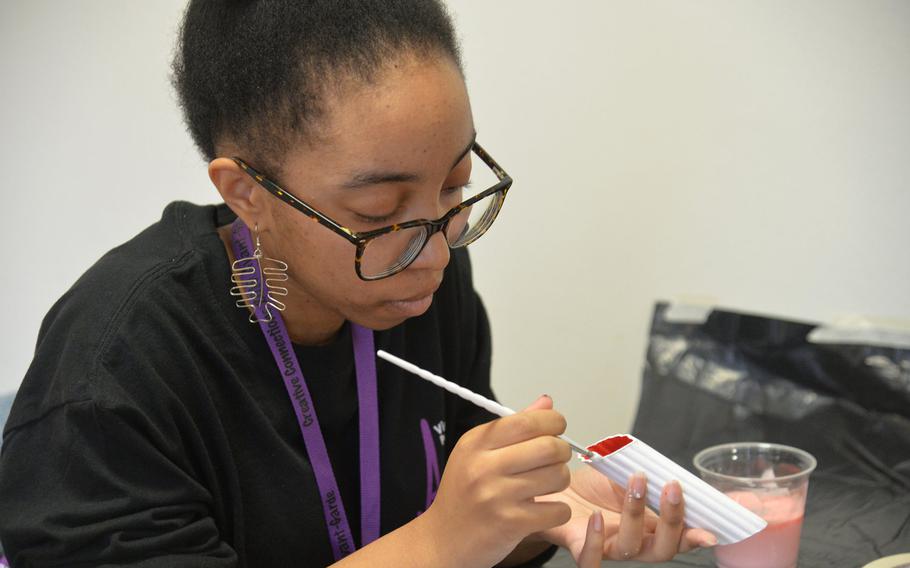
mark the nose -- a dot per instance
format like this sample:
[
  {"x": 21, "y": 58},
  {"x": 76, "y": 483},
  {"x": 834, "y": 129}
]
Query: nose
[{"x": 435, "y": 254}]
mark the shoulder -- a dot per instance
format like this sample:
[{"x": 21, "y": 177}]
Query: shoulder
[{"x": 134, "y": 291}]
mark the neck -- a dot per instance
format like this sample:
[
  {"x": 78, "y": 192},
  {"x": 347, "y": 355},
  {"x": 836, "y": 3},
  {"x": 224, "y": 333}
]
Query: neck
[
  {"x": 308, "y": 322},
  {"x": 310, "y": 326}
]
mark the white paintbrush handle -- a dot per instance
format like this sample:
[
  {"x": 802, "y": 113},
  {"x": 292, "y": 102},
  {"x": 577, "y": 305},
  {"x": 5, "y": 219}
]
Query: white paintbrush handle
[{"x": 467, "y": 394}]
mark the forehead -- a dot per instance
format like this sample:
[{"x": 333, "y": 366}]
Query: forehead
[{"x": 414, "y": 115}]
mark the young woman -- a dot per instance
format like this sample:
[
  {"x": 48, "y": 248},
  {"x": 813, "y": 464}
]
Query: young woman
[{"x": 160, "y": 425}]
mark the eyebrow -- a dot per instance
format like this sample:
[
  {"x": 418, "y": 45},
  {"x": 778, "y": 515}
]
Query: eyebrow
[{"x": 364, "y": 179}]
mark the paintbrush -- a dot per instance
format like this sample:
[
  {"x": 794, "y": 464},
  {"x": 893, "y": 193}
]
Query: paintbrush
[{"x": 469, "y": 395}]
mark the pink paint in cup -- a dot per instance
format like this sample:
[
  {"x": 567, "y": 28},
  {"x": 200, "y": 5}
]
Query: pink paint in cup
[{"x": 771, "y": 480}]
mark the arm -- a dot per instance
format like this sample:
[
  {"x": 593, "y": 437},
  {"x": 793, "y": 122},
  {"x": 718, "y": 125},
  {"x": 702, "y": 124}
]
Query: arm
[{"x": 82, "y": 485}]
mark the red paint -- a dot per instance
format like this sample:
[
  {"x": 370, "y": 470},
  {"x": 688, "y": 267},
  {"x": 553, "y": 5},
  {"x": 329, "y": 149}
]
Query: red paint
[{"x": 609, "y": 445}]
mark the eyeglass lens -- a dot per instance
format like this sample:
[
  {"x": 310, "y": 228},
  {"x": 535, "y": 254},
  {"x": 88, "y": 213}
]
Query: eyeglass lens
[{"x": 393, "y": 251}]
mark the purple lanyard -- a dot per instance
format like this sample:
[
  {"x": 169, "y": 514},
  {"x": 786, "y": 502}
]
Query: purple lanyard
[{"x": 276, "y": 334}]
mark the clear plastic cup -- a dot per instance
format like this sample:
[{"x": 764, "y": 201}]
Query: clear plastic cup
[{"x": 771, "y": 480}]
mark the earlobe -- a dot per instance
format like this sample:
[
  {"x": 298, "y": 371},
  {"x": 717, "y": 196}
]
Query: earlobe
[{"x": 237, "y": 189}]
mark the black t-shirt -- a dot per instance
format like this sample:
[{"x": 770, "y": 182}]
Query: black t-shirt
[{"x": 153, "y": 427}]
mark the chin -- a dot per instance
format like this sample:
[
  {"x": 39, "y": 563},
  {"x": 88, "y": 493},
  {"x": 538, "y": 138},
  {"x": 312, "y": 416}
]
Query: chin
[{"x": 390, "y": 314}]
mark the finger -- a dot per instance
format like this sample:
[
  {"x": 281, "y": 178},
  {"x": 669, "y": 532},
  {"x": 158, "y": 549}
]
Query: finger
[
  {"x": 650, "y": 516},
  {"x": 540, "y": 481},
  {"x": 535, "y": 453},
  {"x": 523, "y": 426},
  {"x": 537, "y": 516},
  {"x": 628, "y": 541},
  {"x": 593, "y": 549},
  {"x": 543, "y": 402},
  {"x": 696, "y": 538},
  {"x": 671, "y": 525}
]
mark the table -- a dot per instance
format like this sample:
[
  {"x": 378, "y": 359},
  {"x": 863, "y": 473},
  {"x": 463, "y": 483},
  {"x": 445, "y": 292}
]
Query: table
[{"x": 850, "y": 521}]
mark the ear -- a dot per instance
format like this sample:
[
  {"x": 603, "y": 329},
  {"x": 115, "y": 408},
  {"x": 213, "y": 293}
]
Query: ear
[{"x": 239, "y": 191}]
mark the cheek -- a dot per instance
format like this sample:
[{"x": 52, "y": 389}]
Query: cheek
[
  {"x": 318, "y": 253},
  {"x": 321, "y": 267},
  {"x": 322, "y": 263}
]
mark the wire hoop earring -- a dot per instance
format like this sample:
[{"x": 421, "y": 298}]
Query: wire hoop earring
[{"x": 256, "y": 282}]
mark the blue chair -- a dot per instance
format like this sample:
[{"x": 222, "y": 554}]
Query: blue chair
[{"x": 6, "y": 402}]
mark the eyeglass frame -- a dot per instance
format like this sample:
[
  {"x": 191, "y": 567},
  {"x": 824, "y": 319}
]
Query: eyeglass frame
[{"x": 361, "y": 239}]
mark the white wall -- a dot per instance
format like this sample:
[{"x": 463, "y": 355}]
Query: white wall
[{"x": 754, "y": 152}]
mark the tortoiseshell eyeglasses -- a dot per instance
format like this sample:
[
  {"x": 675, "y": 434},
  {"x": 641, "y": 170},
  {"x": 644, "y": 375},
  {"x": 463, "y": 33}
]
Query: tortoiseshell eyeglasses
[{"x": 389, "y": 250}]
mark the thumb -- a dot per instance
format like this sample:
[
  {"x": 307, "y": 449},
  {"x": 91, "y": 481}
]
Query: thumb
[
  {"x": 592, "y": 551},
  {"x": 543, "y": 402}
]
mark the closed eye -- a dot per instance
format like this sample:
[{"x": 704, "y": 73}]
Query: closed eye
[
  {"x": 388, "y": 218},
  {"x": 378, "y": 220},
  {"x": 456, "y": 189}
]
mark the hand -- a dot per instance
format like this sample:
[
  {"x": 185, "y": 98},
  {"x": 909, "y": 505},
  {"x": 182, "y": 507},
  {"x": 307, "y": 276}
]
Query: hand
[
  {"x": 486, "y": 503},
  {"x": 628, "y": 530}
]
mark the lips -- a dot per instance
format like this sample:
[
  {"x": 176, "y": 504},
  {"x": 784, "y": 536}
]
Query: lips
[
  {"x": 413, "y": 305},
  {"x": 417, "y": 297}
]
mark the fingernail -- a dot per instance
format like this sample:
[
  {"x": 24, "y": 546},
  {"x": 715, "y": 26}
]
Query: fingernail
[
  {"x": 674, "y": 493},
  {"x": 545, "y": 395},
  {"x": 598, "y": 521},
  {"x": 708, "y": 542},
  {"x": 637, "y": 486}
]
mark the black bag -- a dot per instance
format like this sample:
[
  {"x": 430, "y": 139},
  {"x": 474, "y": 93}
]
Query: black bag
[{"x": 739, "y": 377}]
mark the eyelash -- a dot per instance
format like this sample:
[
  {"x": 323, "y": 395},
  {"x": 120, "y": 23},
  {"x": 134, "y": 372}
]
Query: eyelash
[
  {"x": 457, "y": 188},
  {"x": 375, "y": 220},
  {"x": 387, "y": 218}
]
